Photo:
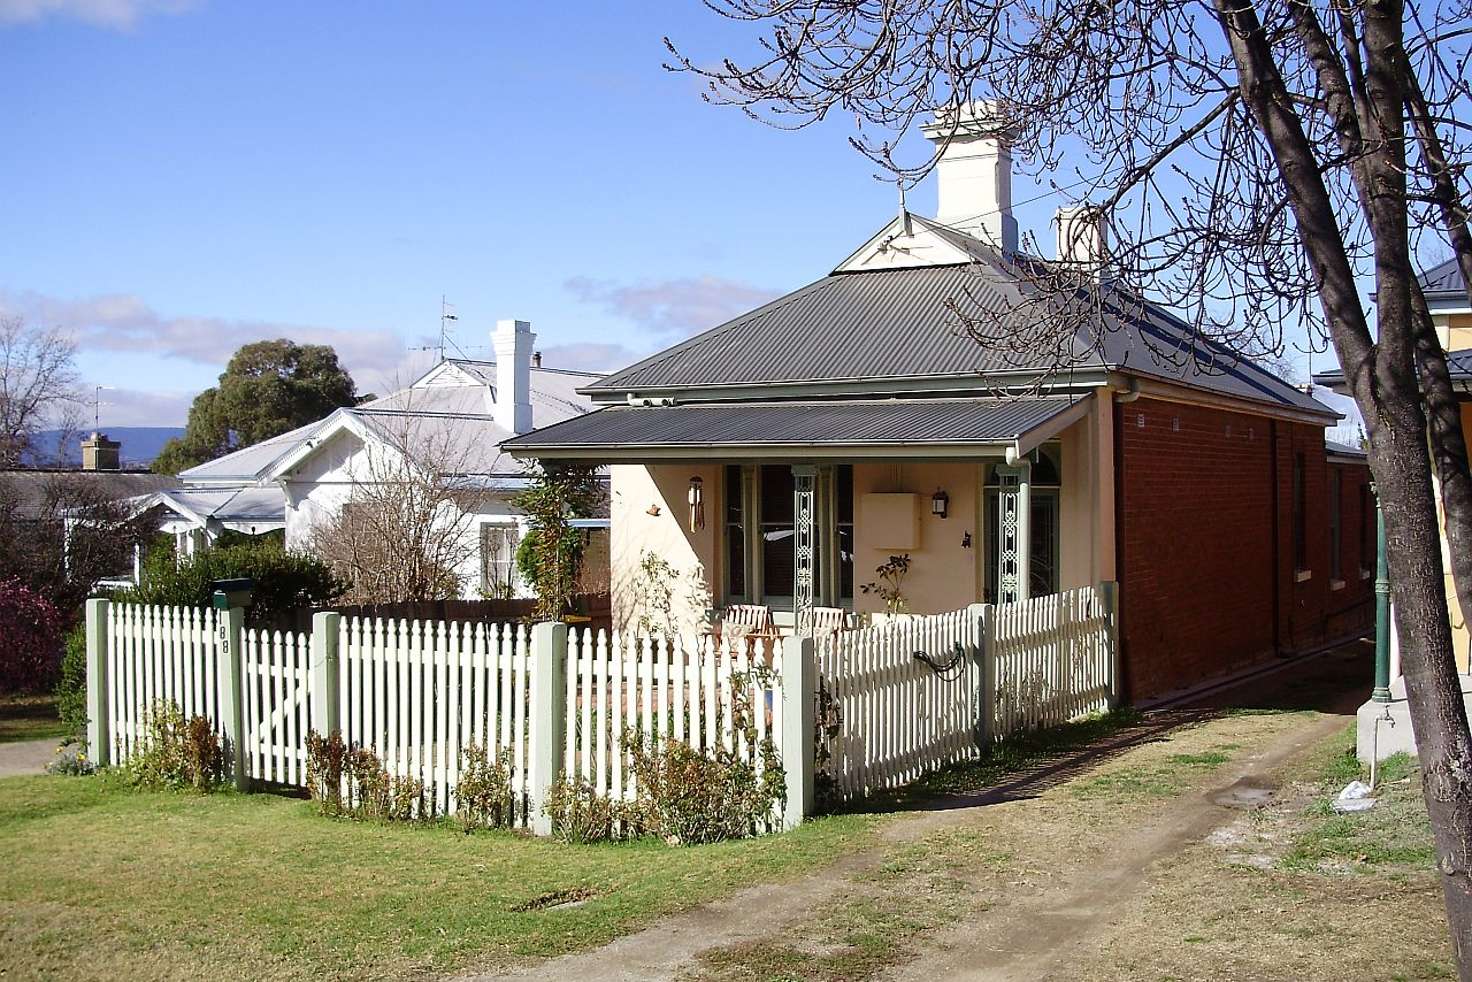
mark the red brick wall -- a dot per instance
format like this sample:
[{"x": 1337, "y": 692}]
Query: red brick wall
[{"x": 1199, "y": 545}]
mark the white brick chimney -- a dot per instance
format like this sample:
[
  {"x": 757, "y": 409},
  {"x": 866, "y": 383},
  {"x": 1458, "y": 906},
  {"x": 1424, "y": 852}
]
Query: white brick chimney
[
  {"x": 512, "y": 341},
  {"x": 975, "y": 174},
  {"x": 1083, "y": 236}
]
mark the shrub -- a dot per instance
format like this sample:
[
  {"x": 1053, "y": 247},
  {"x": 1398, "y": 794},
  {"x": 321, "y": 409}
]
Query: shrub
[
  {"x": 71, "y": 760},
  {"x": 30, "y": 639},
  {"x": 581, "y": 815},
  {"x": 483, "y": 795},
  {"x": 685, "y": 796},
  {"x": 71, "y": 687},
  {"x": 284, "y": 580},
  {"x": 351, "y": 780},
  {"x": 176, "y": 752}
]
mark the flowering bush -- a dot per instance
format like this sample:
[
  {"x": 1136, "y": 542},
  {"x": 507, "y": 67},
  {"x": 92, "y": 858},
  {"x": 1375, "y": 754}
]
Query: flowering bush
[{"x": 30, "y": 639}]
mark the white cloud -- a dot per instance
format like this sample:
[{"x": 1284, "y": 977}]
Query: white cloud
[
  {"x": 118, "y": 15},
  {"x": 678, "y": 306},
  {"x": 132, "y": 407},
  {"x": 123, "y": 322}
]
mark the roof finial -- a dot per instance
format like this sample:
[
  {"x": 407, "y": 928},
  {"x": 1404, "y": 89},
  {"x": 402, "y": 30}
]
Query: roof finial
[{"x": 904, "y": 212}]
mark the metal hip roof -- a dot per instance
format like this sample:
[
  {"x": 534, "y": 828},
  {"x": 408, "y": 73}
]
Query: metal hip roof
[{"x": 798, "y": 424}]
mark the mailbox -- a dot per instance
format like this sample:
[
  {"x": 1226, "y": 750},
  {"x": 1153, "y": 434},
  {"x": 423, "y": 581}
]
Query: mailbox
[{"x": 232, "y": 593}]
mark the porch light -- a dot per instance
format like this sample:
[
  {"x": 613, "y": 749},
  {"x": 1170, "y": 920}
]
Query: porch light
[
  {"x": 940, "y": 504},
  {"x": 697, "y": 504}
]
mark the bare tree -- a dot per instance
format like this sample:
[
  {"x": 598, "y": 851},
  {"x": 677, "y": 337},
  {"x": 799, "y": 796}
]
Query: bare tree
[
  {"x": 1254, "y": 160},
  {"x": 409, "y": 525},
  {"x": 38, "y": 385}
]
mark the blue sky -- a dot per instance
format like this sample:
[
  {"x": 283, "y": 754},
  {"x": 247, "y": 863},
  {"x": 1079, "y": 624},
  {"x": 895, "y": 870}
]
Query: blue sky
[{"x": 181, "y": 176}]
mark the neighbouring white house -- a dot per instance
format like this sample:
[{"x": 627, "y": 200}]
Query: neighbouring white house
[{"x": 451, "y": 420}]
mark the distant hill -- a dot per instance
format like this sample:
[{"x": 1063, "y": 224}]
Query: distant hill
[{"x": 140, "y": 443}]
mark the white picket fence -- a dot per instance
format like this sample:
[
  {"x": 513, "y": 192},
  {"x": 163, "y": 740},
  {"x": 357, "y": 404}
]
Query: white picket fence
[
  {"x": 906, "y": 697},
  {"x": 689, "y": 689},
  {"x": 154, "y": 654},
  {"x": 916, "y": 693},
  {"x": 1053, "y": 658},
  {"x": 420, "y": 693},
  {"x": 900, "y": 715}
]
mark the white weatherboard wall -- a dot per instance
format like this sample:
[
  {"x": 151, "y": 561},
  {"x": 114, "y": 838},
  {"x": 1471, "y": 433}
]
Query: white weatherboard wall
[{"x": 317, "y": 491}]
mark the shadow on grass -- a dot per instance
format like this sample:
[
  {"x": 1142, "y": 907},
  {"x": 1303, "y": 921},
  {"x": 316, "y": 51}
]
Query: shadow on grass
[{"x": 1027, "y": 764}]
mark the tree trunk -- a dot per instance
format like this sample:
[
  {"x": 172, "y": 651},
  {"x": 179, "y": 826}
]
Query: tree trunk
[{"x": 1382, "y": 378}]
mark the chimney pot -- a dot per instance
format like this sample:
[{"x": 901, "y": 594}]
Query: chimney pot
[
  {"x": 512, "y": 341},
  {"x": 1083, "y": 236},
  {"x": 536, "y": 359},
  {"x": 975, "y": 173}
]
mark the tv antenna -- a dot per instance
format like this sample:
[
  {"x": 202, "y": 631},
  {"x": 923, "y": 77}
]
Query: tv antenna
[
  {"x": 447, "y": 314},
  {"x": 97, "y": 406}
]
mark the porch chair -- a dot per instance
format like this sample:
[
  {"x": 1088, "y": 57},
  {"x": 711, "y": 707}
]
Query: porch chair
[
  {"x": 748, "y": 619},
  {"x": 828, "y": 621}
]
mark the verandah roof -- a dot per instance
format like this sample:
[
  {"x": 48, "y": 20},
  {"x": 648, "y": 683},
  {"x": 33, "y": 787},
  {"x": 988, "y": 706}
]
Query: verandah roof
[{"x": 946, "y": 427}]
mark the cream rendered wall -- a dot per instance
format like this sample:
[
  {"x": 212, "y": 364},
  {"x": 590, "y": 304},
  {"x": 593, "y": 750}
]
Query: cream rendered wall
[
  {"x": 317, "y": 490},
  {"x": 943, "y": 573},
  {"x": 1459, "y": 332},
  {"x": 635, "y": 490}
]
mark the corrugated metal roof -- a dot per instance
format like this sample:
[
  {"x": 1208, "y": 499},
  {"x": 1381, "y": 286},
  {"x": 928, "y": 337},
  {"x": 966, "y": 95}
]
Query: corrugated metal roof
[
  {"x": 1444, "y": 278},
  {"x": 1459, "y": 365},
  {"x": 450, "y": 422},
  {"x": 884, "y": 423},
  {"x": 908, "y": 324}
]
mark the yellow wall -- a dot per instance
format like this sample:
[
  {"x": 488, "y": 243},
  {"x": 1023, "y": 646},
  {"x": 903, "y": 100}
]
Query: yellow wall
[
  {"x": 943, "y": 573},
  {"x": 634, "y": 490},
  {"x": 1459, "y": 332}
]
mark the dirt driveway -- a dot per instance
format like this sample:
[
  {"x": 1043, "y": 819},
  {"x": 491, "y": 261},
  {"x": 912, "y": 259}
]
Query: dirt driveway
[{"x": 1032, "y": 878}]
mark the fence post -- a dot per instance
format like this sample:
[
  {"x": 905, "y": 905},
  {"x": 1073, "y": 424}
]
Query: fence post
[
  {"x": 232, "y": 692},
  {"x": 1109, "y": 598},
  {"x": 985, "y": 655},
  {"x": 548, "y": 703},
  {"x": 989, "y": 672},
  {"x": 99, "y": 723},
  {"x": 325, "y": 673},
  {"x": 799, "y": 692}
]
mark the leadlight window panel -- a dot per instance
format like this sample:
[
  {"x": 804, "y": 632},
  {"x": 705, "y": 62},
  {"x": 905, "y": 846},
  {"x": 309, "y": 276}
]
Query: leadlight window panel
[
  {"x": 777, "y": 558},
  {"x": 1300, "y": 510},
  {"x": 844, "y": 519},
  {"x": 735, "y": 535}
]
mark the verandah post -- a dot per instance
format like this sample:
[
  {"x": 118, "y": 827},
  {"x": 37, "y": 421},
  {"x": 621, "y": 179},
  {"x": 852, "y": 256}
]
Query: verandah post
[
  {"x": 99, "y": 725},
  {"x": 548, "y": 705},
  {"x": 232, "y": 691},
  {"x": 1109, "y": 597},
  {"x": 325, "y": 673},
  {"x": 799, "y": 692}
]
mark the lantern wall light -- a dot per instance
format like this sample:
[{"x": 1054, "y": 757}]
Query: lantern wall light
[
  {"x": 940, "y": 504},
  {"x": 697, "y": 504}
]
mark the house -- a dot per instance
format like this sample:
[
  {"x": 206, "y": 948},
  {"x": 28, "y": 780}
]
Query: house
[
  {"x": 1451, "y": 311},
  {"x": 450, "y": 421},
  {"x": 933, "y": 397},
  {"x": 47, "y": 504}
]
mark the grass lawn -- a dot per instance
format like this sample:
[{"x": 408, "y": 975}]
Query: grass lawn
[
  {"x": 29, "y": 718},
  {"x": 101, "y": 881}
]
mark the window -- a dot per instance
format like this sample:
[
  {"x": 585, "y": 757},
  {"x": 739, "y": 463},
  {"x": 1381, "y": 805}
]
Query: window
[
  {"x": 843, "y": 478},
  {"x": 1300, "y": 511},
  {"x": 759, "y": 535},
  {"x": 1336, "y": 530},
  {"x": 735, "y": 535},
  {"x": 777, "y": 556},
  {"x": 1368, "y": 547},
  {"x": 498, "y": 560},
  {"x": 1043, "y": 526}
]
